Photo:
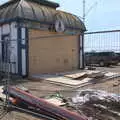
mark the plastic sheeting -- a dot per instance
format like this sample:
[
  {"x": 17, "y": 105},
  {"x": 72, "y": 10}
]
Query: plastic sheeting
[{"x": 94, "y": 96}]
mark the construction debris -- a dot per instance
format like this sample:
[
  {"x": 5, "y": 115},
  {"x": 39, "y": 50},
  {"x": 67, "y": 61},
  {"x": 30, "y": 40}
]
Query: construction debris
[
  {"x": 90, "y": 95},
  {"x": 98, "y": 75},
  {"x": 89, "y": 103},
  {"x": 76, "y": 75},
  {"x": 110, "y": 74},
  {"x": 42, "y": 106},
  {"x": 2, "y": 96},
  {"x": 77, "y": 79},
  {"x": 116, "y": 83},
  {"x": 96, "y": 104},
  {"x": 64, "y": 81},
  {"x": 56, "y": 99}
]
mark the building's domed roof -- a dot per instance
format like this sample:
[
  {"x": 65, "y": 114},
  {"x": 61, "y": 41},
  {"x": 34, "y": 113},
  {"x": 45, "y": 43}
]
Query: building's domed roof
[{"x": 39, "y": 10}]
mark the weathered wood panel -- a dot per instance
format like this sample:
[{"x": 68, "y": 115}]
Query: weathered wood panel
[{"x": 50, "y": 52}]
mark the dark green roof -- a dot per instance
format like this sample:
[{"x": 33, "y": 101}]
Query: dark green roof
[{"x": 31, "y": 10}]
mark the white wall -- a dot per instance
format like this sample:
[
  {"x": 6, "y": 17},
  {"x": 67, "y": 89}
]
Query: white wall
[
  {"x": 10, "y": 29},
  {"x": 23, "y": 51}
]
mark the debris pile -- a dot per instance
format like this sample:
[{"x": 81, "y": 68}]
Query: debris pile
[
  {"x": 26, "y": 100},
  {"x": 96, "y": 104},
  {"x": 85, "y": 104},
  {"x": 78, "y": 79},
  {"x": 94, "y": 96},
  {"x": 90, "y": 104}
]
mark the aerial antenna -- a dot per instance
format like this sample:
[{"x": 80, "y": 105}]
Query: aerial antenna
[
  {"x": 89, "y": 10},
  {"x": 84, "y": 12},
  {"x": 92, "y": 6}
]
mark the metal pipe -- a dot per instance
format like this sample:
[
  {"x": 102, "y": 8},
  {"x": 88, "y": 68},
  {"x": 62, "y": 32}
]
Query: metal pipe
[{"x": 108, "y": 31}]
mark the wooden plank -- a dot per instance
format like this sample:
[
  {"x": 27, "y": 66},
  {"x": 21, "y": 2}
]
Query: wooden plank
[
  {"x": 76, "y": 75},
  {"x": 63, "y": 80},
  {"x": 68, "y": 81},
  {"x": 55, "y": 101}
]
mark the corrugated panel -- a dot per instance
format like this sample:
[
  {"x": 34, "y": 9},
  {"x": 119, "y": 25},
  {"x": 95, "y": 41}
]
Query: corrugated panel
[{"x": 33, "y": 11}]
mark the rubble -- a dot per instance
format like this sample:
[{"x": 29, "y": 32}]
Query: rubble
[
  {"x": 91, "y": 104},
  {"x": 2, "y": 96},
  {"x": 110, "y": 74},
  {"x": 90, "y": 95},
  {"x": 96, "y": 104},
  {"x": 40, "y": 105},
  {"x": 117, "y": 83},
  {"x": 56, "y": 99}
]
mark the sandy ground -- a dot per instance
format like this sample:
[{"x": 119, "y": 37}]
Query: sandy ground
[
  {"x": 19, "y": 116},
  {"x": 43, "y": 88},
  {"x": 110, "y": 68}
]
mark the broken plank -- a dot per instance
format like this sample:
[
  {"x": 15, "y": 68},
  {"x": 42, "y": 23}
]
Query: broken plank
[{"x": 76, "y": 75}]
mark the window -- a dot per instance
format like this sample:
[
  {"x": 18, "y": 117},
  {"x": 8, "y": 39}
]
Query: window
[{"x": 5, "y": 48}]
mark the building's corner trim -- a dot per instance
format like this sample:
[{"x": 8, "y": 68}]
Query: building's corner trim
[
  {"x": 27, "y": 52},
  {"x": 19, "y": 49}
]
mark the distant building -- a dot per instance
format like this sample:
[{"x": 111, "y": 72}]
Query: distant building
[{"x": 40, "y": 38}]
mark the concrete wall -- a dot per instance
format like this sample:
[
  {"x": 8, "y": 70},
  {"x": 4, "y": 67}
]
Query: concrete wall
[
  {"x": 10, "y": 31},
  {"x": 50, "y": 52}
]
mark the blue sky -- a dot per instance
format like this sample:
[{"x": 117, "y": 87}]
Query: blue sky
[{"x": 103, "y": 16}]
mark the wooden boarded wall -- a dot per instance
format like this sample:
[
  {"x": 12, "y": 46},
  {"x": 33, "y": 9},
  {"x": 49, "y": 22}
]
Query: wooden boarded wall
[{"x": 50, "y": 52}]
